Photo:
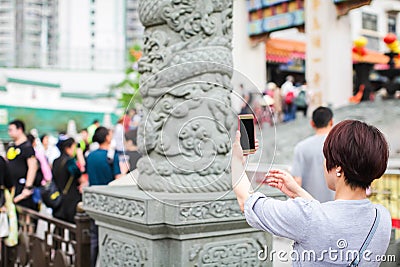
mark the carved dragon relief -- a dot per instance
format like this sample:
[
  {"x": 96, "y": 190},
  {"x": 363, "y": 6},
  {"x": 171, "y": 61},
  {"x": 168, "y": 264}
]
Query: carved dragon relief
[{"x": 185, "y": 84}]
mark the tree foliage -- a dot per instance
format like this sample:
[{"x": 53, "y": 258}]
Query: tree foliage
[{"x": 128, "y": 89}]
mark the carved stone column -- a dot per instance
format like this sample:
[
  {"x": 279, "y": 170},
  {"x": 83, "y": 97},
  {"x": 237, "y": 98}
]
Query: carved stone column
[{"x": 185, "y": 133}]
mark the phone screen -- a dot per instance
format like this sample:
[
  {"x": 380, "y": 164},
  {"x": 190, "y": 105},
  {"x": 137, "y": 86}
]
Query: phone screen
[{"x": 247, "y": 139}]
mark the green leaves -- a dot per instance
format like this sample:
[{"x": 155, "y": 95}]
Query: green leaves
[{"x": 129, "y": 87}]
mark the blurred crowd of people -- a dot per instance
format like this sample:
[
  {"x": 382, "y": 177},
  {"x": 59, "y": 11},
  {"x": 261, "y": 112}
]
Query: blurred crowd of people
[
  {"x": 277, "y": 104},
  {"x": 96, "y": 156},
  {"x": 31, "y": 160}
]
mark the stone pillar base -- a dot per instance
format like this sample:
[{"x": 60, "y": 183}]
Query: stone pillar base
[{"x": 165, "y": 229}]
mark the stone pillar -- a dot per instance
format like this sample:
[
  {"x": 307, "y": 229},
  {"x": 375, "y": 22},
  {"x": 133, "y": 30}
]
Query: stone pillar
[
  {"x": 183, "y": 212},
  {"x": 186, "y": 70},
  {"x": 329, "y": 63}
]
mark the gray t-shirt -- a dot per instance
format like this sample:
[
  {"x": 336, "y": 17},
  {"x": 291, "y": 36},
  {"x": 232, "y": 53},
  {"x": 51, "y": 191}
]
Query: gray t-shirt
[
  {"x": 320, "y": 229},
  {"x": 308, "y": 164}
]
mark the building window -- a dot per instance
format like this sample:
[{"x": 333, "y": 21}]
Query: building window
[
  {"x": 392, "y": 22},
  {"x": 369, "y": 21},
  {"x": 373, "y": 42}
]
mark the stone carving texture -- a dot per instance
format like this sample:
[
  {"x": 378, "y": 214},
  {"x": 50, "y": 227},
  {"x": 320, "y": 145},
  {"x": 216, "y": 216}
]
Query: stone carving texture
[
  {"x": 119, "y": 206},
  {"x": 185, "y": 84},
  {"x": 118, "y": 253},
  {"x": 216, "y": 209},
  {"x": 237, "y": 252}
]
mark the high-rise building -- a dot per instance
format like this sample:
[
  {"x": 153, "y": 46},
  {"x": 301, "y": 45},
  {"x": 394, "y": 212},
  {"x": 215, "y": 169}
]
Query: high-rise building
[
  {"x": 7, "y": 33},
  {"x": 107, "y": 35},
  {"x": 134, "y": 28},
  {"x": 93, "y": 33},
  {"x": 68, "y": 34},
  {"x": 28, "y": 32},
  {"x": 50, "y": 33}
]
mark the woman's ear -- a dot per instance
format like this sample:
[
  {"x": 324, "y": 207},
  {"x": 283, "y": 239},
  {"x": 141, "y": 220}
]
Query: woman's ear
[{"x": 338, "y": 171}]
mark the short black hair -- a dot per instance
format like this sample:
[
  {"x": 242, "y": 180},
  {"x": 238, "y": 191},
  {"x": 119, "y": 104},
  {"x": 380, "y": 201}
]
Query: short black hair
[
  {"x": 132, "y": 135},
  {"x": 322, "y": 116},
  {"x": 360, "y": 149},
  {"x": 18, "y": 124},
  {"x": 63, "y": 144},
  {"x": 42, "y": 137},
  {"x": 100, "y": 135},
  {"x": 31, "y": 138}
]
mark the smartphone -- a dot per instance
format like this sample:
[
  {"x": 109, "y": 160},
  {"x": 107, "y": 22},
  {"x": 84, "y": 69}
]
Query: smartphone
[{"x": 247, "y": 133}]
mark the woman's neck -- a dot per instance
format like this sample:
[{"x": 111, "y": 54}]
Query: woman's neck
[
  {"x": 104, "y": 146},
  {"x": 345, "y": 192}
]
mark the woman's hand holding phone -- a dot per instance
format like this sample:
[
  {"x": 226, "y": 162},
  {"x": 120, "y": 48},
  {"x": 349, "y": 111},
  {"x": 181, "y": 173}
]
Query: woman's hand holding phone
[{"x": 237, "y": 151}]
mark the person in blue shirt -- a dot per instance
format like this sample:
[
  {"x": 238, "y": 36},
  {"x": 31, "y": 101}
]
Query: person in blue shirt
[{"x": 102, "y": 167}]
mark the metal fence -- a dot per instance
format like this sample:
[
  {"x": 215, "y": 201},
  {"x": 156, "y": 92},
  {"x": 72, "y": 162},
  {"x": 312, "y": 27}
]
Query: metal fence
[{"x": 62, "y": 243}]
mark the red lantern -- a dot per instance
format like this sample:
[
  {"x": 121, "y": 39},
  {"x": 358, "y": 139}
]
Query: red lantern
[
  {"x": 361, "y": 51},
  {"x": 390, "y": 38}
]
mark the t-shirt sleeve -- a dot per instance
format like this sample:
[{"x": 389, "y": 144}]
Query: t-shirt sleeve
[
  {"x": 297, "y": 162},
  {"x": 116, "y": 168},
  {"x": 289, "y": 218},
  {"x": 28, "y": 152}
]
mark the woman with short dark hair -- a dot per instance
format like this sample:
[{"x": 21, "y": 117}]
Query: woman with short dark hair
[
  {"x": 360, "y": 150},
  {"x": 66, "y": 176},
  {"x": 356, "y": 230}
]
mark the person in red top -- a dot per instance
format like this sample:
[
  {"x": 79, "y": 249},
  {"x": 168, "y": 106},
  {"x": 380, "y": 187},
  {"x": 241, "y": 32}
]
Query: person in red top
[{"x": 126, "y": 120}]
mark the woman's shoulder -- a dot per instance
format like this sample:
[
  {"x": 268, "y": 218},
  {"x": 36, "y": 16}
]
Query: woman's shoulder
[
  {"x": 357, "y": 208},
  {"x": 384, "y": 213},
  {"x": 61, "y": 160},
  {"x": 71, "y": 161}
]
